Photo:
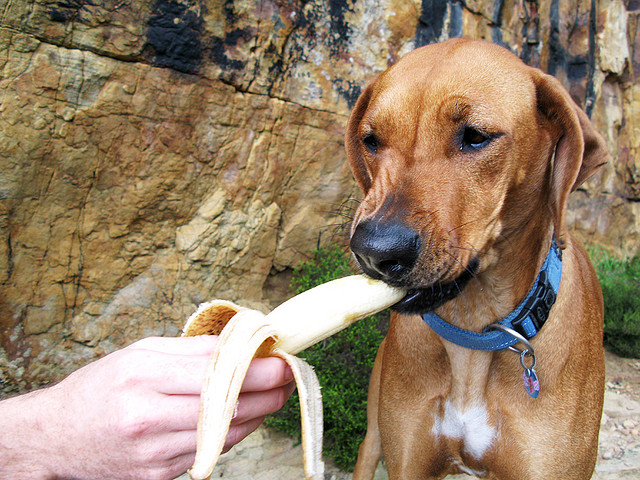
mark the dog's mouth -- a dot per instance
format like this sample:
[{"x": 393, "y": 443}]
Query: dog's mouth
[{"x": 426, "y": 299}]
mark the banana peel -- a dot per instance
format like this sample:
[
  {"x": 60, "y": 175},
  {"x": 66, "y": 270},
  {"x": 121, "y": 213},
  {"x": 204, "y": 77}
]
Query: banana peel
[{"x": 244, "y": 334}]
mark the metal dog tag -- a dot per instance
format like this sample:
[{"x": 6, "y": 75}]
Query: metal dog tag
[{"x": 529, "y": 377}]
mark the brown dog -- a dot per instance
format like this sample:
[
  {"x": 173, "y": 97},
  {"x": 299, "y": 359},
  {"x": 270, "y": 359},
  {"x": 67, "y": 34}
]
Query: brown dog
[{"x": 466, "y": 157}]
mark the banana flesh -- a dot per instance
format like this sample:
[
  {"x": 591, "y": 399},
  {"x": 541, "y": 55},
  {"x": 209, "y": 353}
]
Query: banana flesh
[{"x": 298, "y": 323}]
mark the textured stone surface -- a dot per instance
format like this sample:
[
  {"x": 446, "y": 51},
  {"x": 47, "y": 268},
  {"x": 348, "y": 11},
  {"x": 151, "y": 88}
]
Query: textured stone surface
[{"x": 157, "y": 154}]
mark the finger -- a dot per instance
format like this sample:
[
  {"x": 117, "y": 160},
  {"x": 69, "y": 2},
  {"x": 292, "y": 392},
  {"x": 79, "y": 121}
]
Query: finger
[
  {"x": 179, "y": 465},
  {"x": 266, "y": 373},
  {"x": 239, "y": 432},
  {"x": 183, "y": 374},
  {"x": 164, "y": 448},
  {"x": 177, "y": 374},
  {"x": 258, "y": 404},
  {"x": 199, "y": 345},
  {"x": 172, "y": 454},
  {"x": 174, "y": 413}
]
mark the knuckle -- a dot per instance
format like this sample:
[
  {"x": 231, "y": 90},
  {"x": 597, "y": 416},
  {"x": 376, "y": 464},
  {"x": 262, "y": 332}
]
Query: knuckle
[
  {"x": 145, "y": 343},
  {"x": 273, "y": 378},
  {"x": 279, "y": 399},
  {"x": 130, "y": 370},
  {"x": 132, "y": 423},
  {"x": 273, "y": 401},
  {"x": 283, "y": 396},
  {"x": 274, "y": 375}
]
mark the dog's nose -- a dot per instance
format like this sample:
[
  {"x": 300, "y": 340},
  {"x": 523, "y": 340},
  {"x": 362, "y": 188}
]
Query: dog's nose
[{"x": 386, "y": 251}]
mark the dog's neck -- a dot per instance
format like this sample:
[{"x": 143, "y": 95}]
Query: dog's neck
[{"x": 500, "y": 287}]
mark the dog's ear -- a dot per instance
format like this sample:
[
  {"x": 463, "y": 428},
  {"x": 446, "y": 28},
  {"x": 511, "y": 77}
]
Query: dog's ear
[
  {"x": 353, "y": 142},
  {"x": 580, "y": 150}
]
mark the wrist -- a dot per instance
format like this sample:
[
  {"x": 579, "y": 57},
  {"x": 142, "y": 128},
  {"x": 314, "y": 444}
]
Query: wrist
[{"x": 28, "y": 437}]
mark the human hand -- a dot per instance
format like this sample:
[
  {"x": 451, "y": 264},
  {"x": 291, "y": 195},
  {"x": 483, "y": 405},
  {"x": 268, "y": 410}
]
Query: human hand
[{"x": 131, "y": 414}]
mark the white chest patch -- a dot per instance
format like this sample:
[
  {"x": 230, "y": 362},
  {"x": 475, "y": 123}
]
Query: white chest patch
[{"x": 471, "y": 426}]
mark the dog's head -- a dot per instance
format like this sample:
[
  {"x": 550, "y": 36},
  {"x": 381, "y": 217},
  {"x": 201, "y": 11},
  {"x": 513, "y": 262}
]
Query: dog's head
[{"x": 458, "y": 148}]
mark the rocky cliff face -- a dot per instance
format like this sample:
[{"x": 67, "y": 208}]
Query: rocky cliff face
[{"x": 158, "y": 154}]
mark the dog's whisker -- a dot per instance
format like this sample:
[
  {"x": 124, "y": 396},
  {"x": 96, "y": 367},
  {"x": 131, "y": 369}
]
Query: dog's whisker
[
  {"x": 464, "y": 224},
  {"x": 473, "y": 274},
  {"x": 455, "y": 282},
  {"x": 474, "y": 250},
  {"x": 455, "y": 259}
]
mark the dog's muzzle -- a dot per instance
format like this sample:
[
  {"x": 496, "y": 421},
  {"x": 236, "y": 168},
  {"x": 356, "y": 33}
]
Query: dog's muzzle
[{"x": 386, "y": 251}]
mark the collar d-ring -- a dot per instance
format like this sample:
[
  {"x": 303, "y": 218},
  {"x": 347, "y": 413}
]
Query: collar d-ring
[
  {"x": 523, "y": 354},
  {"x": 528, "y": 350}
]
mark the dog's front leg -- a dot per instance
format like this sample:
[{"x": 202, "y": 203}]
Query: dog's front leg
[
  {"x": 414, "y": 380},
  {"x": 370, "y": 450}
]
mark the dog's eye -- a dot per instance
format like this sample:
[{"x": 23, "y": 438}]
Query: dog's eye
[
  {"x": 473, "y": 139},
  {"x": 370, "y": 142}
]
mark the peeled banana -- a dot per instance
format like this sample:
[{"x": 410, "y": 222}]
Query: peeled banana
[{"x": 298, "y": 323}]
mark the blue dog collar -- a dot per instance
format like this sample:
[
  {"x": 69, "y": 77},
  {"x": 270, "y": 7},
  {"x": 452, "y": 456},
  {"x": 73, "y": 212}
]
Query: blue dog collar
[{"x": 527, "y": 319}]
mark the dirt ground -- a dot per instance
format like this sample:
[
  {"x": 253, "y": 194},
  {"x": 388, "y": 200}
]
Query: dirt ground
[
  {"x": 619, "y": 454},
  {"x": 623, "y": 375},
  {"x": 270, "y": 455}
]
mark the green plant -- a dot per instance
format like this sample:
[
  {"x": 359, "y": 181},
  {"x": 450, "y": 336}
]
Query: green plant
[
  {"x": 343, "y": 364},
  {"x": 620, "y": 282}
]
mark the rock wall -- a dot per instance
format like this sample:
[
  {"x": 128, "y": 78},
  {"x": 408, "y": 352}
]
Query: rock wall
[{"x": 157, "y": 154}]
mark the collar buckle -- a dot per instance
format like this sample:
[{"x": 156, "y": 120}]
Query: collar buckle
[{"x": 537, "y": 306}]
